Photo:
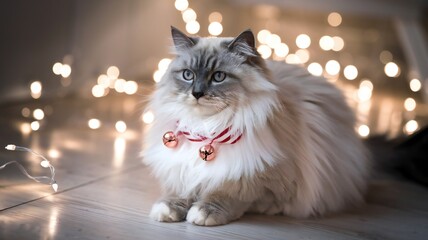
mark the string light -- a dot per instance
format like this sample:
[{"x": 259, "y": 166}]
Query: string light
[
  {"x": 334, "y": 19},
  {"x": 56, "y": 68},
  {"x": 36, "y": 89},
  {"x": 215, "y": 17},
  {"x": 410, "y": 104},
  {"x": 264, "y": 51},
  {"x": 189, "y": 15},
  {"x": 315, "y": 69},
  {"x": 303, "y": 41},
  {"x": 263, "y": 35},
  {"x": 38, "y": 114},
  {"x": 98, "y": 91},
  {"x": 338, "y": 43},
  {"x": 94, "y": 123},
  {"x": 44, "y": 163},
  {"x": 215, "y": 28},
  {"x": 113, "y": 72},
  {"x": 131, "y": 87},
  {"x": 332, "y": 67},
  {"x": 363, "y": 130},
  {"x": 120, "y": 126},
  {"x": 411, "y": 126},
  {"x": 181, "y": 5},
  {"x": 148, "y": 117},
  {"x": 392, "y": 70},
  {"x": 119, "y": 85},
  {"x": 415, "y": 85},
  {"x": 350, "y": 72},
  {"x": 193, "y": 27},
  {"x": 35, "y": 125},
  {"x": 326, "y": 43},
  {"x": 281, "y": 50}
]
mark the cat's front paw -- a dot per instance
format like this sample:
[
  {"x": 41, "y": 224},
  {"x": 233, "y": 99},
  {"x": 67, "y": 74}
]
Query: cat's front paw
[
  {"x": 165, "y": 211},
  {"x": 206, "y": 215}
]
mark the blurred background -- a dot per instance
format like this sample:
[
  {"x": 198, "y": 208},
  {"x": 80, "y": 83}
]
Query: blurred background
[{"x": 111, "y": 53}]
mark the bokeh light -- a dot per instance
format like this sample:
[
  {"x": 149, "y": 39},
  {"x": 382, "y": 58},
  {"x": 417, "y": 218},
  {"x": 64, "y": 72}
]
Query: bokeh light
[
  {"x": 189, "y": 15},
  {"x": 326, "y": 43},
  {"x": 38, "y": 114},
  {"x": 415, "y": 85},
  {"x": 148, "y": 117},
  {"x": 94, "y": 123},
  {"x": 263, "y": 35},
  {"x": 392, "y": 70},
  {"x": 303, "y": 41},
  {"x": 350, "y": 72},
  {"x": 334, "y": 19},
  {"x": 315, "y": 69},
  {"x": 281, "y": 50},
  {"x": 192, "y": 27},
  {"x": 215, "y": 28},
  {"x": 332, "y": 67},
  {"x": 215, "y": 17},
  {"x": 113, "y": 72},
  {"x": 181, "y": 5},
  {"x": 264, "y": 51},
  {"x": 411, "y": 126},
  {"x": 120, "y": 126},
  {"x": 410, "y": 104},
  {"x": 363, "y": 130}
]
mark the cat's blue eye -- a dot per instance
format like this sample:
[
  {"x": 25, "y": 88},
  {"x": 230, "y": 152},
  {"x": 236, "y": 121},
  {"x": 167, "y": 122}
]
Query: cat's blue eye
[
  {"x": 219, "y": 76},
  {"x": 188, "y": 75}
]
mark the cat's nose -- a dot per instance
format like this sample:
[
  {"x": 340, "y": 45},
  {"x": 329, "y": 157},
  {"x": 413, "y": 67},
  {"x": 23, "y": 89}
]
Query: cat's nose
[{"x": 197, "y": 95}]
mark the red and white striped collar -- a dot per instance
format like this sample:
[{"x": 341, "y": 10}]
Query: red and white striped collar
[{"x": 226, "y": 136}]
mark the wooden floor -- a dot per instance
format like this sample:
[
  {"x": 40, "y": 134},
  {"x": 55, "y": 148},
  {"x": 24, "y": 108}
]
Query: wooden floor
[{"x": 106, "y": 193}]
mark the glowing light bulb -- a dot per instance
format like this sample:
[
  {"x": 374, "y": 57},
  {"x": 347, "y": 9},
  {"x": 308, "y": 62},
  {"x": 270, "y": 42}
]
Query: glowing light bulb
[
  {"x": 264, "y": 51},
  {"x": 103, "y": 80},
  {"x": 36, "y": 89},
  {"x": 25, "y": 112},
  {"x": 263, "y": 35},
  {"x": 192, "y": 27},
  {"x": 273, "y": 40},
  {"x": 281, "y": 50},
  {"x": 65, "y": 70},
  {"x": 411, "y": 126},
  {"x": 131, "y": 87},
  {"x": 189, "y": 15},
  {"x": 163, "y": 64},
  {"x": 157, "y": 76},
  {"x": 392, "y": 70},
  {"x": 303, "y": 55},
  {"x": 334, "y": 19},
  {"x": 148, "y": 117},
  {"x": 53, "y": 153},
  {"x": 120, "y": 126},
  {"x": 338, "y": 43},
  {"x": 326, "y": 43},
  {"x": 292, "y": 59},
  {"x": 332, "y": 67},
  {"x": 11, "y": 147},
  {"x": 350, "y": 72},
  {"x": 35, "y": 125},
  {"x": 415, "y": 85},
  {"x": 55, "y": 187},
  {"x": 113, "y": 72},
  {"x": 215, "y": 17},
  {"x": 56, "y": 68},
  {"x": 98, "y": 91},
  {"x": 45, "y": 163},
  {"x": 38, "y": 114},
  {"x": 215, "y": 28},
  {"x": 94, "y": 123},
  {"x": 410, "y": 104},
  {"x": 119, "y": 85},
  {"x": 181, "y": 5},
  {"x": 315, "y": 69},
  {"x": 363, "y": 130},
  {"x": 303, "y": 41}
]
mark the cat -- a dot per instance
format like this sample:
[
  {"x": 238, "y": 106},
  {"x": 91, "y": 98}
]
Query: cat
[{"x": 295, "y": 150}]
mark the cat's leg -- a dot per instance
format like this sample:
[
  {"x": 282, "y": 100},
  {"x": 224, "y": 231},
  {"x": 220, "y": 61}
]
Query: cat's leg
[
  {"x": 216, "y": 209},
  {"x": 170, "y": 209}
]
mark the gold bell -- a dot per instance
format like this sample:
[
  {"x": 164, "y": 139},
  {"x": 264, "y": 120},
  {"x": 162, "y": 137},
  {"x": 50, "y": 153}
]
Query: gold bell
[
  {"x": 207, "y": 152},
  {"x": 169, "y": 139}
]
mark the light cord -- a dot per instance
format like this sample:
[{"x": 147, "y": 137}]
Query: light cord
[{"x": 45, "y": 163}]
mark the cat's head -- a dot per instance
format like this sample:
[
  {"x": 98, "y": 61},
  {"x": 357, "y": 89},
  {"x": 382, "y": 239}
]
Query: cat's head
[{"x": 210, "y": 75}]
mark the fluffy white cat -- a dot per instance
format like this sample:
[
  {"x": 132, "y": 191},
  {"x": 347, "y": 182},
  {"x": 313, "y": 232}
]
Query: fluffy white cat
[{"x": 296, "y": 152}]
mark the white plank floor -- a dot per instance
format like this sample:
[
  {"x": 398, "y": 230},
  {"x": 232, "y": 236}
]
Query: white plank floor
[{"x": 106, "y": 193}]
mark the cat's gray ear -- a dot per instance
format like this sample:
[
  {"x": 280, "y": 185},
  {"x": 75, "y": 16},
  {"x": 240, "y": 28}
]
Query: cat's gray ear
[
  {"x": 181, "y": 40},
  {"x": 244, "y": 43}
]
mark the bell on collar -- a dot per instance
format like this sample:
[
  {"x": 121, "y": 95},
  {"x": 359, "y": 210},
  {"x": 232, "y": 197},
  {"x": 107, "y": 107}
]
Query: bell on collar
[
  {"x": 207, "y": 152},
  {"x": 170, "y": 140}
]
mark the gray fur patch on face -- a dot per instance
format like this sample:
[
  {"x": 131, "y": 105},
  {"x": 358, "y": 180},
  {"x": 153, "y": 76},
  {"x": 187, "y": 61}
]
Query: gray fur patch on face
[{"x": 204, "y": 59}]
